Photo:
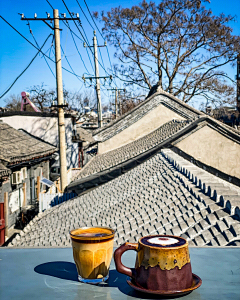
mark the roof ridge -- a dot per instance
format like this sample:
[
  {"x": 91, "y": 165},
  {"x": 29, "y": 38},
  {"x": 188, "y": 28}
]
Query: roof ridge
[{"x": 147, "y": 99}]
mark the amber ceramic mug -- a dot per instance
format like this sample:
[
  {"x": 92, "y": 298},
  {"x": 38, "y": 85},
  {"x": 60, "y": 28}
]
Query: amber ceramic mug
[
  {"x": 92, "y": 252},
  {"x": 162, "y": 263}
]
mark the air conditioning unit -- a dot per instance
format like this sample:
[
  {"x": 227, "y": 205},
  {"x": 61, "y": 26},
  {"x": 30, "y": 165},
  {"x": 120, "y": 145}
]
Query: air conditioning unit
[
  {"x": 16, "y": 177},
  {"x": 24, "y": 173}
]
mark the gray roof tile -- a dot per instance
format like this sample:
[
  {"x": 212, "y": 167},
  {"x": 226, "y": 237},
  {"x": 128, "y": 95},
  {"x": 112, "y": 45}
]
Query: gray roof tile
[
  {"x": 115, "y": 157},
  {"x": 207, "y": 235},
  {"x": 199, "y": 241},
  {"x": 131, "y": 211},
  {"x": 140, "y": 111},
  {"x": 17, "y": 145}
]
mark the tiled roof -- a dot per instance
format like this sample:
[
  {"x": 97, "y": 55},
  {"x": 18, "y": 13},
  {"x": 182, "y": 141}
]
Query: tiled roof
[
  {"x": 4, "y": 171},
  {"x": 156, "y": 197},
  {"x": 85, "y": 135},
  {"x": 105, "y": 133},
  {"x": 117, "y": 156},
  {"x": 17, "y": 146},
  {"x": 104, "y": 167}
]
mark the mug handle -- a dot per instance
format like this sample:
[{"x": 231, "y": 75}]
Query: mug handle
[{"x": 117, "y": 258}]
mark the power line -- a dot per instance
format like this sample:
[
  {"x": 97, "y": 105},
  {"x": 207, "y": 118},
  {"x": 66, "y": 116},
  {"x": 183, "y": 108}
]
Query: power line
[
  {"x": 102, "y": 60},
  {"x": 36, "y": 47},
  {"x": 103, "y": 39},
  {"x": 93, "y": 29},
  {"x": 70, "y": 64},
  {"x": 78, "y": 30},
  {"x": 49, "y": 4},
  {"x": 93, "y": 20},
  {"x": 100, "y": 34},
  {"x": 71, "y": 31},
  {"x": 25, "y": 68},
  {"x": 84, "y": 37},
  {"x": 68, "y": 26},
  {"x": 76, "y": 35},
  {"x": 84, "y": 14}
]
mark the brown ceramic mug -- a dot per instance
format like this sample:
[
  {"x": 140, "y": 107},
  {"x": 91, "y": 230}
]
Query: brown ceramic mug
[{"x": 162, "y": 263}]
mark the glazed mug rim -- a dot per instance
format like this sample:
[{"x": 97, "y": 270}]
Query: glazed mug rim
[
  {"x": 89, "y": 238},
  {"x": 163, "y": 247}
]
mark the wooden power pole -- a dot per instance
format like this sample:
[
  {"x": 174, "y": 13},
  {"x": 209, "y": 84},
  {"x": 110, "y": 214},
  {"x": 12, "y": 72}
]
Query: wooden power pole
[
  {"x": 117, "y": 93},
  {"x": 238, "y": 82},
  {"x": 61, "y": 123},
  {"x": 59, "y": 85},
  {"x": 116, "y": 102},
  {"x": 97, "y": 77},
  {"x": 99, "y": 104}
]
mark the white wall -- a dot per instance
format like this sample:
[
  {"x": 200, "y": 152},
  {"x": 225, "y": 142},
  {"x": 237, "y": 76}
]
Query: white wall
[
  {"x": 148, "y": 123},
  {"x": 46, "y": 128},
  {"x": 213, "y": 149}
]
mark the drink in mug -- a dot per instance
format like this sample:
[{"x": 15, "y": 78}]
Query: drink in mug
[{"x": 92, "y": 252}]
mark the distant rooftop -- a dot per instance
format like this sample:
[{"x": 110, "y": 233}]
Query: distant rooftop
[
  {"x": 143, "y": 109},
  {"x": 17, "y": 146}
]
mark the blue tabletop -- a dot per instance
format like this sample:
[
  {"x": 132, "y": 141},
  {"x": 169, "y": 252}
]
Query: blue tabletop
[{"x": 50, "y": 273}]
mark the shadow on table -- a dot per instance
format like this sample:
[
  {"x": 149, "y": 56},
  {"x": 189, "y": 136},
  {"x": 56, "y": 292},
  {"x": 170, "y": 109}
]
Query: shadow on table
[
  {"x": 67, "y": 270},
  {"x": 118, "y": 280},
  {"x": 59, "y": 269}
]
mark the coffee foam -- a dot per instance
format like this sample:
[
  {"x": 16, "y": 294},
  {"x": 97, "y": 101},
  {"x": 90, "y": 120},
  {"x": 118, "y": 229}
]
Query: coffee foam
[{"x": 163, "y": 241}]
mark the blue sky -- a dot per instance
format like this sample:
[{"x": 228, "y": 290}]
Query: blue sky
[{"x": 16, "y": 53}]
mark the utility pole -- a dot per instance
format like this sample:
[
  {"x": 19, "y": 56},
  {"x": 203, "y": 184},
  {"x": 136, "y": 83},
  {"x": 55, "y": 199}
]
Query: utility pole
[
  {"x": 59, "y": 85},
  {"x": 97, "y": 77},
  {"x": 116, "y": 102},
  {"x": 238, "y": 82},
  {"x": 99, "y": 104},
  {"x": 117, "y": 93},
  {"x": 61, "y": 124}
]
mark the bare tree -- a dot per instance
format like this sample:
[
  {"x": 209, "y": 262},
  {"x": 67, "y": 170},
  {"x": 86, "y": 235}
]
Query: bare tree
[
  {"x": 44, "y": 97},
  {"x": 40, "y": 96},
  {"x": 179, "y": 45},
  {"x": 13, "y": 103}
]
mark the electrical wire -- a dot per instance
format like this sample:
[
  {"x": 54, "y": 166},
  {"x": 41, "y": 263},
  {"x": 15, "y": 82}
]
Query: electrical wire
[
  {"x": 100, "y": 34},
  {"x": 70, "y": 64},
  {"x": 49, "y": 4},
  {"x": 68, "y": 26},
  {"x": 78, "y": 30},
  {"x": 93, "y": 29},
  {"x": 87, "y": 48},
  {"x": 71, "y": 31},
  {"x": 36, "y": 47},
  {"x": 84, "y": 14},
  {"x": 90, "y": 49},
  {"x": 25, "y": 68},
  {"x": 93, "y": 20},
  {"x": 115, "y": 75},
  {"x": 84, "y": 37},
  {"x": 102, "y": 60}
]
